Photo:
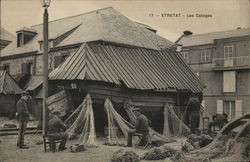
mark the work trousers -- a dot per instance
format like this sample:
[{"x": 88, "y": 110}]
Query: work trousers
[
  {"x": 58, "y": 136},
  {"x": 144, "y": 137},
  {"x": 21, "y": 133}
]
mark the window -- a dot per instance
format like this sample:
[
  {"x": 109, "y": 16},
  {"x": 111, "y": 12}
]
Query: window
[
  {"x": 229, "y": 81},
  {"x": 27, "y": 68},
  {"x": 228, "y": 52},
  {"x": 185, "y": 56},
  {"x": 6, "y": 67},
  {"x": 50, "y": 44},
  {"x": 229, "y": 109},
  {"x": 19, "y": 39},
  {"x": 206, "y": 56}
]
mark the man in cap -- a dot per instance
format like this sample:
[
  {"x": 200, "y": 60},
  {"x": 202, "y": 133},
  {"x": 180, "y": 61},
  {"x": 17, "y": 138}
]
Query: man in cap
[
  {"x": 219, "y": 120},
  {"x": 141, "y": 127},
  {"x": 56, "y": 130},
  {"x": 22, "y": 117}
]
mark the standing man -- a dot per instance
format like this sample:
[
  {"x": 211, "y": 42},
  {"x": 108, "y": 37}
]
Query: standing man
[
  {"x": 23, "y": 118},
  {"x": 141, "y": 127},
  {"x": 56, "y": 130}
]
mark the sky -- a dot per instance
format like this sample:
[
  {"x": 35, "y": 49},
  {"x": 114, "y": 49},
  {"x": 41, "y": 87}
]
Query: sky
[{"x": 169, "y": 17}]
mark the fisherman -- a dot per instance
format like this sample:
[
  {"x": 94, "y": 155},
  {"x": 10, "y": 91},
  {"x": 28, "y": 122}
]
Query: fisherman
[
  {"x": 219, "y": 120},
  {"x": 141, "y": 127},
  {"x": 56, "y": 130},
  {"x": 22, "y": 117}
]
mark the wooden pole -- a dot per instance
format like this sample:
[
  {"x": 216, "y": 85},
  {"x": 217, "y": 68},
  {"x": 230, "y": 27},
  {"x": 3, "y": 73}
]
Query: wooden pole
[{"x": 45, "y": 68}]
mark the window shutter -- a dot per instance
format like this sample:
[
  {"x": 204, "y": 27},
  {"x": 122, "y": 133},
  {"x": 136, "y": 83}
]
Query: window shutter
[
  {"x": 219, "y": 107},
  {"x": 24, "y": 68},
  {"x": 229, "y": 81},
  {"x": 238, "y": 108},
  {"x": 57, "y": 61}
]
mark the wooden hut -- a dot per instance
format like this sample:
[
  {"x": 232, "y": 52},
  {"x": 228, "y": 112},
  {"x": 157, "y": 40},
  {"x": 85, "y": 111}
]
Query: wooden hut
[{"x": 147, "y": 78}]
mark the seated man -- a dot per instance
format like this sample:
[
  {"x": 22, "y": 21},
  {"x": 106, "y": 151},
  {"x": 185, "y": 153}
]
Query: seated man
[
  {"x": 56, "y": 130},
  {"x": 219, "y": 120},
  {"x": 141, "y": 127}
]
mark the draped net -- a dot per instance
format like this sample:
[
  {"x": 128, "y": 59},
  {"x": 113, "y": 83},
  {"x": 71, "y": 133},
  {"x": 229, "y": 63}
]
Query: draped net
[
  {"x": 81, "y": 124},
  {"x": 114, "y": 119}
]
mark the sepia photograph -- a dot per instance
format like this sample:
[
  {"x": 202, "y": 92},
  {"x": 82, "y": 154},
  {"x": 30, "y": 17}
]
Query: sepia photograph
[{"x": 125, "y": 80}]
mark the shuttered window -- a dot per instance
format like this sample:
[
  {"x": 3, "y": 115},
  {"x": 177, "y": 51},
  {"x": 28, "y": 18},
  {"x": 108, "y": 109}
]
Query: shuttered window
[
  {"x": 229, "y": 81},
  {"x": 219, "y": 107},
  {"x": 238, "y": 108},
  {"x": 229, "y": 109}
]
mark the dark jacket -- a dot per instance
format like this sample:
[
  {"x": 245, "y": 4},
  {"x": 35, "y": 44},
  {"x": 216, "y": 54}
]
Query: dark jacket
[
  {"x": 22, "y": 110},
  {"x": 142, "y": 124},
  {"x": 56, "y": 125}
]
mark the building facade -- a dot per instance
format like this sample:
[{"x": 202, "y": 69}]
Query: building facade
[{"x": 222, "y": 62}]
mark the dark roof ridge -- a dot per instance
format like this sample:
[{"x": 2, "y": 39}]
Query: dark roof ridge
[
  {"x": 221, "y": 31},
  {"x": 85, "y": 13}
]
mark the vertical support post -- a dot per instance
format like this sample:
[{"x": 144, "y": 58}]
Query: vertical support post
[{"x": 45, "y": 67}]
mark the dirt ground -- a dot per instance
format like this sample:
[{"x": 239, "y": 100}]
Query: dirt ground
[{"x": 10, "y": 153}]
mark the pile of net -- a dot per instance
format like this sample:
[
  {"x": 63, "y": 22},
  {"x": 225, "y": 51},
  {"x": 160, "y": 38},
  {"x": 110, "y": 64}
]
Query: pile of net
[
  {"x": 81, "y": 125},
  {"x": 194, "y": 142},
  {"x": 231, "y": 144},
  {"x": 125, "y": 156},
  {"x": 116, "y": 120},
  {"x": 158, "y": 153}
]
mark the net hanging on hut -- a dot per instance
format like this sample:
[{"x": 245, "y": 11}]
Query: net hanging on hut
[
  {"x": 115, "y": 120},
  {"x": 171, "y": 120},
  {"x": 154, "y": 135},
  {"x": 81, "y": 124}
]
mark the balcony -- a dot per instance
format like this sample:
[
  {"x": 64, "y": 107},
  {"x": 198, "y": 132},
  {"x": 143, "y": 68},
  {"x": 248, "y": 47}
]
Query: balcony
[{"x": 242, "y": 62}]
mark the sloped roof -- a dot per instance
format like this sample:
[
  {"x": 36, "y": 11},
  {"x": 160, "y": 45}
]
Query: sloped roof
[
  {"x": 137, "y": 68},
  {"x": 105, "y": 24},
  {"x": 5, "y": 35},
  {"x": 208, "y": 38},
  {"x": 8, "y": 85},
  {"x": 33, "y": 82}
]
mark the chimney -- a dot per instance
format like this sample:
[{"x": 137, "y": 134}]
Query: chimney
[{"x": 185, "y": 33}]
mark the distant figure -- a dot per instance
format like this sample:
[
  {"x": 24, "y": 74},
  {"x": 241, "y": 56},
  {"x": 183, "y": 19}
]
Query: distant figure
[
  {"x": 22, "y": 117},
  {"x": 141, "y": 127},
  {"x": 56, "y": 130},
  {"x": 219, "y": 120}
]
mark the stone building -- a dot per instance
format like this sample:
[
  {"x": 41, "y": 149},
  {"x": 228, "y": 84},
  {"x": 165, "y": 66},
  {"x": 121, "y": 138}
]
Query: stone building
[
  {"x": 107, "y": 55},
  {"x": 222, "y": 62}
]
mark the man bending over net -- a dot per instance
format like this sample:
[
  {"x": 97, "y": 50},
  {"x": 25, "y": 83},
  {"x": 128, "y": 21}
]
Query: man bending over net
[{"x": 141, "y": 128}]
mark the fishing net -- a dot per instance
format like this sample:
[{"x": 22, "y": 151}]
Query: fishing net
[
  {"x": 115, "y": 120},
  {"x": 154, "y": 135},
  {"x": 171, "y": 120},
  {"x": 231, "y": 144},
  {"x": 81, "y": 124}
]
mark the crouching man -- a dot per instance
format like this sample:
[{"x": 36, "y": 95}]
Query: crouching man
[
  {"x": 141, "y": 127},
  {"x": 56, "y": 130}
]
